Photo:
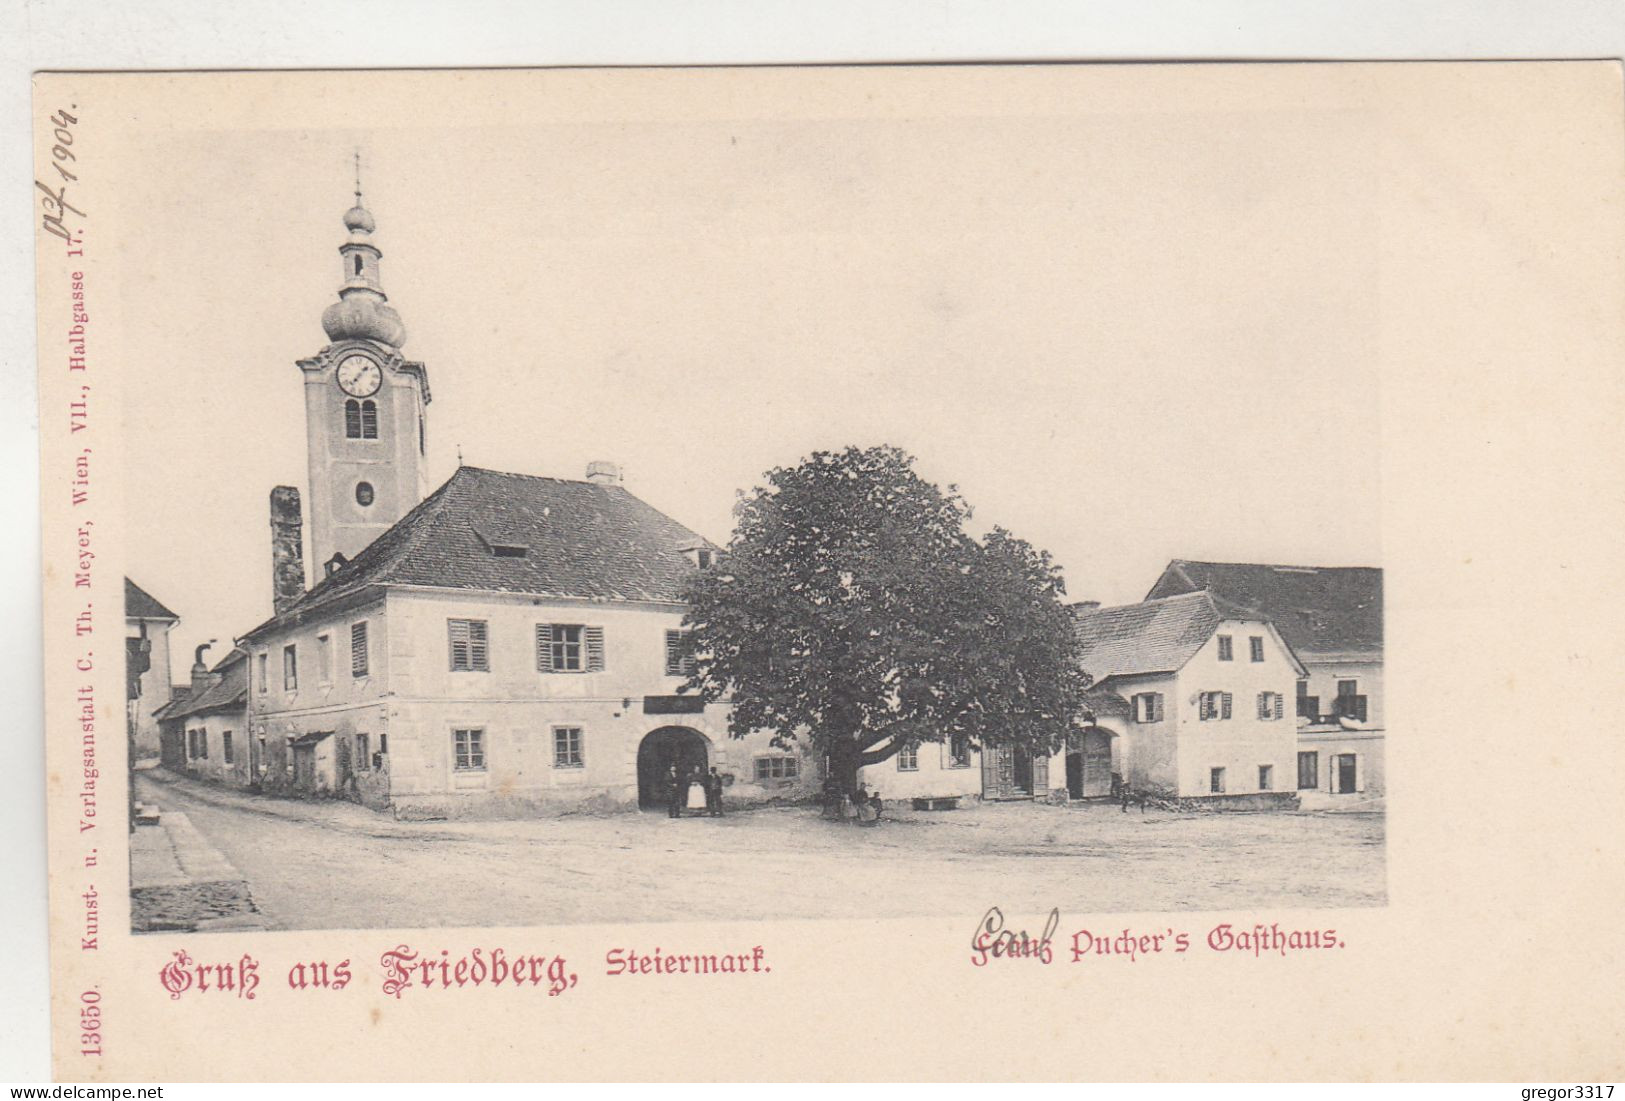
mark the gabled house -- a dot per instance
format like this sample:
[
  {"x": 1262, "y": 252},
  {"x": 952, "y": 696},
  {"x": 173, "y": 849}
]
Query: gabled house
[
  {"x": 1331, "y": 616},
  {"x": 147, "y": 624},
  {"x": 1208, "y": 698},
  {"x": 512, "y": 645},
  {"x": 205, "y": 730}
]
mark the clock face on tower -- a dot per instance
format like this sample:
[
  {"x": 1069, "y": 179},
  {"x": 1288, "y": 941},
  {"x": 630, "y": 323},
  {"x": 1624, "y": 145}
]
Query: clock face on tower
[{"x": 359, "y": 376}]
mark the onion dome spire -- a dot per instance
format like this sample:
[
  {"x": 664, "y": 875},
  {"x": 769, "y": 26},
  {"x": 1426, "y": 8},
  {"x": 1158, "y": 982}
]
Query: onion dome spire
[{"x": 362, "y": 311}]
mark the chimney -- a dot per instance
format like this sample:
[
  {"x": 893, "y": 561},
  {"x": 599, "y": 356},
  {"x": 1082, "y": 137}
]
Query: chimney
[
  {"x": 200, "y": 671},
  {"x": 600, "y": 472},
  {"x": 287, "y": 549},
  {"x": 1082, "y": 606}
]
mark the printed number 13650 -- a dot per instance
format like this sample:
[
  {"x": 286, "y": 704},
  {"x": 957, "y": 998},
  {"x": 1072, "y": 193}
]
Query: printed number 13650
[{"x": 90, "y": 1023}]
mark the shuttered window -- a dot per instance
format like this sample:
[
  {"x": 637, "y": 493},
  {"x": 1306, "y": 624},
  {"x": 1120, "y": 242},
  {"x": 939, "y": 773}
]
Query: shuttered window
[
  {"x": 679, "y": 654},
  {"x": 1148, "y": 707},
  {"x": 358, "y": 649},
  {"x": 469, "y": 651},
  {"x": 1214, "y": 705},
  {"x": 569, "y": 648},
  {"x": 1271, "y": 705}
]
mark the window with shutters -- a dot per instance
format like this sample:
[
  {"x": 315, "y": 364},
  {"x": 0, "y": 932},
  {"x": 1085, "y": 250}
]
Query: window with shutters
[
  {"x": 468, "y": 748},
  {"x": 908, "y": 759},
  {"x": 1215, "y": 781},
  {"x": 1213, "y": 705},
  {"x": 1148, "y": 707},
  {"x": 358, "y": 649},
  {"x": 1266, "y": 777},
  {"x": 290, "y": 667},
  {"x": 470, "y": 652},
  {"x": 1308, "y": 771},
  {"x": 1226, "y": 649},
  {"x": 567, "y": 747},
  {"x": 1255, "y": 646},
  {"x": 569, "y": 648},
  {"x": 1271, "y": 705},
  {"x": 679, "y": 654}
]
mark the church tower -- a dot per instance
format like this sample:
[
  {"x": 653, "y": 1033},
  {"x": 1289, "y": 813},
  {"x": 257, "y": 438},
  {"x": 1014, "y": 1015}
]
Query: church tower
[{"x": 365, "y": 407}]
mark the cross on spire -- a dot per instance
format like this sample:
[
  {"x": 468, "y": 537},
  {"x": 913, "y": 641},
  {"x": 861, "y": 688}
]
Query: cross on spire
[{"x": 358, "y": 176}]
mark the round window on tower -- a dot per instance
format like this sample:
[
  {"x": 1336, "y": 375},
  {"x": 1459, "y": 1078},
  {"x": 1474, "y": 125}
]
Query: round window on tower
[{"x": 363, "y": 494}]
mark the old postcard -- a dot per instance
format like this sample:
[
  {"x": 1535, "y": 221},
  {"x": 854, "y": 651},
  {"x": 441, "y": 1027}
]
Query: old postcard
[{"x": 966, "y": 572}]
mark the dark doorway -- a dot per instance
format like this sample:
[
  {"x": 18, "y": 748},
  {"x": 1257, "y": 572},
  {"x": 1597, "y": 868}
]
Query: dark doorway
[
  {"x": 1074, "y": 773},
  {"x": 1022, "y": 767},
  {"x": 670, "y": 745},
  {"x": 304, "y": 767},
  {"x": 1345, "y": 773}
]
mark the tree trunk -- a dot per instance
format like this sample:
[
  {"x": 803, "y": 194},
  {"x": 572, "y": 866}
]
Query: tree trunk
[{"x": 843, "y": 763}]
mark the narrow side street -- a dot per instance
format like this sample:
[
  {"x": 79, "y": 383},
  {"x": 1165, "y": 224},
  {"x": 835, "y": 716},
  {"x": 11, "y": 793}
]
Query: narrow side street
[{"x": 335, "y": 865}]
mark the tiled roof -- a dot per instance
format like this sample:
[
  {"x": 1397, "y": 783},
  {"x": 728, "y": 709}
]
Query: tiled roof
[
  {"x": 1156, "y": 636},
  {"x": 227, "y": 688},
  {"x": 1101, "y": 702},
  {"x": 579, "y": 539},
  {"x": 1317, "y": 609},
  {"x": 140, "y": 604}
]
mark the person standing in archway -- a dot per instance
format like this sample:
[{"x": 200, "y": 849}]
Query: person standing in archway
[
  {"x": 713, "y": 794},
  {"x": 677, "y": 790}
]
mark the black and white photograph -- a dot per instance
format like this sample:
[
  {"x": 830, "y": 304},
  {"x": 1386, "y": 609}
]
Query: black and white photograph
[{"x": 636, "y": 514}]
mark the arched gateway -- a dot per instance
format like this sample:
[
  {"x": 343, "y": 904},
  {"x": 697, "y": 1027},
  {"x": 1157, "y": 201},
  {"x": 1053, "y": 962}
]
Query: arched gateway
[{"x": 659, "y": 750}]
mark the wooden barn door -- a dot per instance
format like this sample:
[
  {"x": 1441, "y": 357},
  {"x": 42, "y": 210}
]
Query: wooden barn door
[
  {"x": 998, "y": 772},
  {"x": 1097, "y": 763}
]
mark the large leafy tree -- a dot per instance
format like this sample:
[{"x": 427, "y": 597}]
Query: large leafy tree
[{"x": 853, "y": 608}]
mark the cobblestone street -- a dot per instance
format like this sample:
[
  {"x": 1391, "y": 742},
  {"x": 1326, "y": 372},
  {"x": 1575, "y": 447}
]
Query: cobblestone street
[{"x": 331, "y": 865}]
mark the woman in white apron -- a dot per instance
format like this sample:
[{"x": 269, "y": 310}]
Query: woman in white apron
[{"x": 696, "y": 794}]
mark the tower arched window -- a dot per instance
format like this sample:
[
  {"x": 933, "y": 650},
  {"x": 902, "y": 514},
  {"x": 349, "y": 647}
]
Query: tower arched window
[
  {"x": 358, "y": 264},
  {"x": 352, "y": 420}
]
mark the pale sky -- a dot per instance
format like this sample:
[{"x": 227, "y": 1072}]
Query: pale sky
[{"x": 1129, "y": 328}]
